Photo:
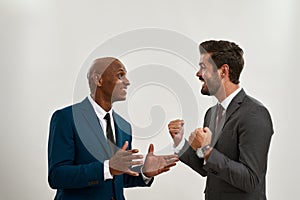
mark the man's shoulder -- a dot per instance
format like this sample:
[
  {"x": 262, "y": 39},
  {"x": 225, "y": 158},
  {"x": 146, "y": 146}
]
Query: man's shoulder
[
  {"x": 255, "y": 107},
  {"x": 68, "y": 110},
  {"x": 253, "y": 101},
  {"x": 245, "y": 99}
]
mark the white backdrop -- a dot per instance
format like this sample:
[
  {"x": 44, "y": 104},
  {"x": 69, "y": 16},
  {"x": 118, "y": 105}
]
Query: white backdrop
[{"x": 44, "y": 45}]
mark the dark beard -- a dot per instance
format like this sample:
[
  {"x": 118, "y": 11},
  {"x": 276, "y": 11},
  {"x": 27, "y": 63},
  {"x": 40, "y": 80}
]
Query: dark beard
[
  {"x": 205, "y": 92},
  {"x": 213, "y": 87}
]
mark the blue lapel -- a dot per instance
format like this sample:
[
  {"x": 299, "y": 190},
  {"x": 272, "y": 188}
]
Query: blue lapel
[
  {"x": 122, "y": 130},
  {"x": 90, "y": 131}
]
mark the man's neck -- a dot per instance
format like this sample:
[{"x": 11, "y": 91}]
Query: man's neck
[
  {"x": 225, "y": 91},
  {"x": 104, "y": 104}
]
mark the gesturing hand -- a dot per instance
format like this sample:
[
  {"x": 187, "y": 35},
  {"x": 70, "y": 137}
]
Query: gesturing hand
[
  {"x": 155, "y": 165},
  {"x": 176, "y": 130},
  {"x": 123, "y": 160},
  {"x": 200, "y": 137}
]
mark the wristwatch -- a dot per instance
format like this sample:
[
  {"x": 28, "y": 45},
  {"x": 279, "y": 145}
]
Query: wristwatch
[{"x": 201, "y": 151}]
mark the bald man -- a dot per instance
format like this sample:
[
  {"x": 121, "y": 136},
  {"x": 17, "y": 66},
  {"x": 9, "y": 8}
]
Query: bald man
[{"x": 89, "y": 150}]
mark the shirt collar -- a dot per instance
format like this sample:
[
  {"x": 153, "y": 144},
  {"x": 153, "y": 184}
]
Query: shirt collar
[
  {"x": 225, "y": 103},
  {"x": 100, "y": 112}
]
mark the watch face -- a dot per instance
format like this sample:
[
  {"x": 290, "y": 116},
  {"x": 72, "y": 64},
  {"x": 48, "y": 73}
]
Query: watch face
[{"x": 199, "y": 153}]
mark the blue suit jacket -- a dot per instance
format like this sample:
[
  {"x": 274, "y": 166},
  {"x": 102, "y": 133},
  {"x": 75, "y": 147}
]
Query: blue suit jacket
[{"x": 76, "y": 151}]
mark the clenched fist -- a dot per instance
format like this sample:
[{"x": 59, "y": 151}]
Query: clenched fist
[
  {"x": 176, "y": 130},
  {"x": 200, "y": 137}
]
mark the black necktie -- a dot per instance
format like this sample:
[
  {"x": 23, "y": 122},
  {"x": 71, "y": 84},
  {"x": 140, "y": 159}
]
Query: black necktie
[{"x": 109, "y": 134}]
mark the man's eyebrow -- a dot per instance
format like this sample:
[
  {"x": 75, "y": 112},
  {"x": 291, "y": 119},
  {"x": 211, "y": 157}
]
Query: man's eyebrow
[
  {"x": 201, "y": 64},
  {"x": 122, "y": 70}
]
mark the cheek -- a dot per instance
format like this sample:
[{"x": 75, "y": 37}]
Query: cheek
[
  {"x": 211, "y": 75},
  {"x": 113, "y": 82},
  {"x": 206, "y": 76},
  {"x": 116, "y": 86}
]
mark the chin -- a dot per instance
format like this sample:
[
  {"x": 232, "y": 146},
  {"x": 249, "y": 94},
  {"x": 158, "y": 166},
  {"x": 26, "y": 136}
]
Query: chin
[
  {"x": 120, "y": 99},
  {"x": 205, "y": 92}
]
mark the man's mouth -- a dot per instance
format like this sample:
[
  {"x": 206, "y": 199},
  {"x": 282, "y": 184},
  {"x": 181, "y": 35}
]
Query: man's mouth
[{"x": 202, "y": 80}]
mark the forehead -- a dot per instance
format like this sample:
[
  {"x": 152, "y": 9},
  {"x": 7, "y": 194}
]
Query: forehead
[
  {"x": 117, "y": 66},
  {"x": 204, "y": 58}
]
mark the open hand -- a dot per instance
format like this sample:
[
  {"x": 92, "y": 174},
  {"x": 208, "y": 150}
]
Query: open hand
[
  {"x": 123, "y": 160},
  {"x": 155, "y": 165}
]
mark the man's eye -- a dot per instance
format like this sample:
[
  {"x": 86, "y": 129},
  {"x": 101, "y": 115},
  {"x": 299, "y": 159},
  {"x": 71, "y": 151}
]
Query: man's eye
[{"x": 121, "y": 76}]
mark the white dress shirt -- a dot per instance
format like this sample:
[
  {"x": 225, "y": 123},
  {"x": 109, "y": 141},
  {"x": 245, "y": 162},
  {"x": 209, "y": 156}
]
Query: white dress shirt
[{"x": 100, "y": 112}]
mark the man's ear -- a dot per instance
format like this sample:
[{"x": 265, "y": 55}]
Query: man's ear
[
  {"x": 224, "y": 70},
  {"x": 97, "y": 80}
]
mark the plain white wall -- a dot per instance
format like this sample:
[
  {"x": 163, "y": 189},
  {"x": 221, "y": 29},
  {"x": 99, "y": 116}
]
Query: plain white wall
[{"x": 44, "y": 45}]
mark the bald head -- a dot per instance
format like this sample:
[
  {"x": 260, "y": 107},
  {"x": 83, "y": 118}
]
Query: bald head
[
  {"x": 101, "y": 64},
  {"x": 98, "y": 68}
]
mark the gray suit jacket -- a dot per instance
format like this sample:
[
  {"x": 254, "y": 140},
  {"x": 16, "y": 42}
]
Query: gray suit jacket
[{"x": 236, "y": 168}]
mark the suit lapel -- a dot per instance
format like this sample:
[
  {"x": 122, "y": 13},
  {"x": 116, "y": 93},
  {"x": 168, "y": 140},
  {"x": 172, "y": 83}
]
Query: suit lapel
[
  {"x": 122, "y": 130},
  {"x": 119, "y": 136},
  {"x": 90, "y": 130},
  {"x": 234, "y": 104}
]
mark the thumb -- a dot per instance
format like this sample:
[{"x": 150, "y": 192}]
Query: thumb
[
  {"x": 151, "y": 148},
  {"x": 182, "y": 122},
  {"x": 125, "y": 145},
  {"x": 205, "y": 129}
]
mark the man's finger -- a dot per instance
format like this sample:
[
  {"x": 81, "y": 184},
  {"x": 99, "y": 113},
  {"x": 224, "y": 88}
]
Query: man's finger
[
  {"x": 124, "y": 147},
  {"x": 133, "y": 151},
  {"x": 132, "y": 173},
  {"x": 206, "y": 129},
  {"x": 169, "y": 156},
  {"x": 133, "y": 157},
  {"x": 151, "y": 149}
]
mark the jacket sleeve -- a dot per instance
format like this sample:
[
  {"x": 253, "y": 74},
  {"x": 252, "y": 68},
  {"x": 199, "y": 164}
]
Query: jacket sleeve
[
  {"x": 254, "y": 136},
  {"x": 189, "y": 157},
  {"x": 63, "y": 172},
  {"x": 134, "y": 181}
]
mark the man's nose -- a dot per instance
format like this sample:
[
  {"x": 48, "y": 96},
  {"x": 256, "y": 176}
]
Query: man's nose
[
  {"x": 126, "y": 81},
  {"x": 199, "y": 73}
]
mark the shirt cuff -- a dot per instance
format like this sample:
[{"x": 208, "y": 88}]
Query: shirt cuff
[
  {"x": 107, "y": 174},
  {"x": 178, "y": 148},
  {"x": 145, "y": 178}
]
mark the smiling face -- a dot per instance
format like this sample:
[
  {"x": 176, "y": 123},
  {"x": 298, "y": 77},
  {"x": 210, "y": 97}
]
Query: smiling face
[
  {"x": 108, "y": 82},
  {"x": 114, "y": 82},
  {"x": 209, "y": 76}
]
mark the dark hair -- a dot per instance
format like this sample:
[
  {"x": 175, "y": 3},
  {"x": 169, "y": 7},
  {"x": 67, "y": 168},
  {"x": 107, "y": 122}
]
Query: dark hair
[{"x": 225, "y": 52}]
